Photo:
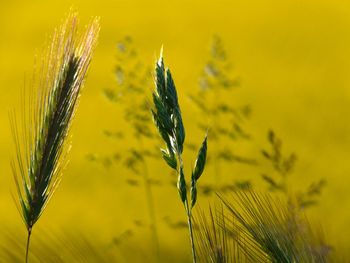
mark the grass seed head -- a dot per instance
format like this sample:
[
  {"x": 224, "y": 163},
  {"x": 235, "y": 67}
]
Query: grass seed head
[
  {"x": 168, "y": 120},
  {"x": 169, "y": 158},
  {"x": 193, "y": 192},
  {"x": 201, "y": 159},
  {"x": 181, "y": 185}
]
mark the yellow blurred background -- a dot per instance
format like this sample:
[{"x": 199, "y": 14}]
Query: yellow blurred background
[{"x": 292, "y": 59}]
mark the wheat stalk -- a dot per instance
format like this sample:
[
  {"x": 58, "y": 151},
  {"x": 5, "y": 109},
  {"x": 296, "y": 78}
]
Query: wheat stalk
[
  {"x": 41, "y": 142},
  {"x": 258, "y": 228},
  {"x": 168, "y": 119}
]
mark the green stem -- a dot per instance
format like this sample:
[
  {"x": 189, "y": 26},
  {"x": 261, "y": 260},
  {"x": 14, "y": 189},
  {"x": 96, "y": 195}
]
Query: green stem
[
  {"x": 28, "y": 240},
  {"x": 191, "y": 232},
  {"x": 188, "y": 211}
]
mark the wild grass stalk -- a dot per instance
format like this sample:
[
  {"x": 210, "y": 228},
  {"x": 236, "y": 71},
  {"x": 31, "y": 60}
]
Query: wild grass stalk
[
  {"x": 168, "y": 120},
  {"x": 283, "y": 167},
  {"x": 218, "y": 82},
  {"x": 41, "y": 140},
  {"x": 130, "y": 94}
]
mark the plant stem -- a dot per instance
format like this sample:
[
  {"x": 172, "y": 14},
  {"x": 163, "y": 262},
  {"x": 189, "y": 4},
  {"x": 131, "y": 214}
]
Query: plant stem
[
  {"x": 151, "y": 209},
  {"x": 191, "y": 232},
  {"x": 28, "y": 240},
  {"x": 188, "y": 211},
  {"x": 150, "y": 202}
]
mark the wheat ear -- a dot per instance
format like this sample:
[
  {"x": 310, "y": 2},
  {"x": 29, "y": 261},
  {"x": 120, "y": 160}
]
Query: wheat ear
[{"x": 41, "y": 140}]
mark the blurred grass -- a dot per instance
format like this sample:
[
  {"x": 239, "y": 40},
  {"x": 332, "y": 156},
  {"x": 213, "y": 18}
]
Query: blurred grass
[{"x": 292, "y": 58}]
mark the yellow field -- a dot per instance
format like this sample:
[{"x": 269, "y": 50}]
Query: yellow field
[{"x": 292, "y": 59}]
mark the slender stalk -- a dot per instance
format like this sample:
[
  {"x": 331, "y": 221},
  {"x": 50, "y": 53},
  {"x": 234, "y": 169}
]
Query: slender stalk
[
  {"x": 149, "y": 197},
  {"x": 28, "y": 240},
  {"x": 188, "y": 212},
  {"x": 189, "y": 215},
  {"x": 151, "y": 209}
]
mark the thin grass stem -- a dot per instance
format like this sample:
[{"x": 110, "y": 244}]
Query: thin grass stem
[
  {"x": 189, "y": 215},
  {"x": 188, "y": 212},
  {"x": 28, "y": 240},
  {"x": 150, "y": 202},
  {"x": 151, "y": 208}
]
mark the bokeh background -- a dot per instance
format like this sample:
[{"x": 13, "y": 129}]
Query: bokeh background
[{"x": 291, "y": 59}]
